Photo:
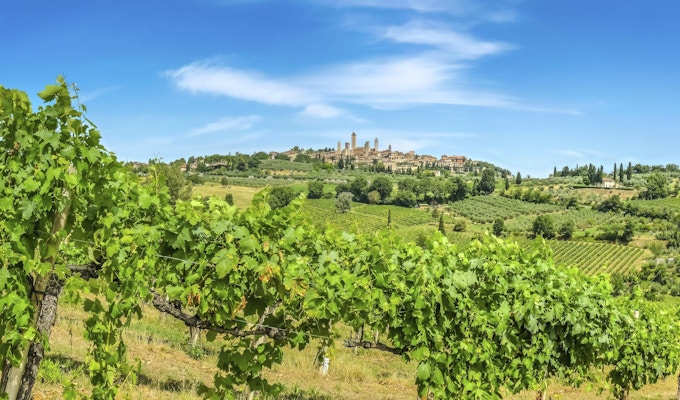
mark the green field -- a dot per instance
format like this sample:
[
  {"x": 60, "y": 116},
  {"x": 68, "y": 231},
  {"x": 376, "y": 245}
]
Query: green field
[
  {"x": 364, "y": 218},
  {"x": 243, "y": 195}
]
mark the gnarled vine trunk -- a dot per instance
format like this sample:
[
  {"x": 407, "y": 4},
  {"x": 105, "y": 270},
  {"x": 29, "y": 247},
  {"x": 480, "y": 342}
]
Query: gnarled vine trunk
[{"x": 18, "y": 381}]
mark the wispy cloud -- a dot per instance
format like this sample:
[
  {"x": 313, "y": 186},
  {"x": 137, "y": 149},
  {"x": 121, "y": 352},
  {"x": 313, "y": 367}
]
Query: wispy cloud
[
  {"x": 204, "y": 77},
  {"x": 379, "y": 83},
  {"x": 496, "y": 11},
  {"x": 322, "y": 111},
  {"x": 423, "y": 6},
  {"x": 227, "y": 124},
  {"x": 458, "y": 45},
  {"x": 572, "y": 153},
  {"x": 583, "y": 153},
  {"x": 438, "y": 74},
  {"x": 90, "y": 95}
]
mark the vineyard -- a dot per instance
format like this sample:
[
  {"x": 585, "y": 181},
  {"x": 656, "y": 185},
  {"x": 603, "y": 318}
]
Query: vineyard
[
  {"x": 583, "y": 218},
  {"x": 595, "y": 258},
  {"x": 668, "y": 202},
  {"x": 477, "y": 321},
  {"x": 486, "y": 209}
]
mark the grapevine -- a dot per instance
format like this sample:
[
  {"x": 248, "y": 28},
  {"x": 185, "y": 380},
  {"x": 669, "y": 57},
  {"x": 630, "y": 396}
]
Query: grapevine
[{"x": 475, "y": 321}]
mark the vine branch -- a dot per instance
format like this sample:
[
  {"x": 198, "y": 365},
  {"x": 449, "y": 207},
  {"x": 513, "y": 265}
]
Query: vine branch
[
  {"x": 165, "y": 306},
  {"x": 375, "y": 346}
]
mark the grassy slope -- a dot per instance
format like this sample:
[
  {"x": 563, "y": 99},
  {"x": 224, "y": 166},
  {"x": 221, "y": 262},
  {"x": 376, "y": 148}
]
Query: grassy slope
[{"x": 243, "y": 195}]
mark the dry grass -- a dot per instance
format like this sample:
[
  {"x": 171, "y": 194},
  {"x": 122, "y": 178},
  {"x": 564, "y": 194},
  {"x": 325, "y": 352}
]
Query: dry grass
[
  {"x": 167, "y": 372},
  {"x": 243, "y": 195},
  {"x": 604, "y": 193}
]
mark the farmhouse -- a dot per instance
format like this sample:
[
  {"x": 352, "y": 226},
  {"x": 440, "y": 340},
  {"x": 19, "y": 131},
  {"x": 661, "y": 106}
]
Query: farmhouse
[{"x": 608, "y": 183}]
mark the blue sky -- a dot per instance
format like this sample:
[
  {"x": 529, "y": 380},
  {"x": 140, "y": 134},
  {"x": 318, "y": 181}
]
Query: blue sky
[{"x": 526, "y": 85}]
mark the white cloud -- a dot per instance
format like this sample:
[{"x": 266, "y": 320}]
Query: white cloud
[
  {"x": 322, "y": 111},
  {"x": 382, "y": 83},
  {"x": 437, "y": 75},
  {"x": 423, "y": 6},
  {"x": 202, "y": 77},
  {"x": 458, "y": 45},
  {"x": 227, "y": 124}
]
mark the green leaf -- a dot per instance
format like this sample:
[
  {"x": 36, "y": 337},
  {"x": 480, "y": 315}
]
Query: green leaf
[
  {"x": 50, "y": 92},
  {"x": 27, "y": 207},
  {"x": 224, "y": 266},
  {"x": 145, "y": 200},
  {"x": 437, "y": 377},
  {"x": 6, "y": 203},
  {"x": 93, "y": 154},
  {"x": 174, "y": 292},
  {"x": 423, "y": 372},
  {"x": 4, "y": 277},
  {"x": 182, "y": 238},
  {"x": 50, "y": 137},
  {"x": 31, "y": 185},
  {"x": 421, "y": 353}
]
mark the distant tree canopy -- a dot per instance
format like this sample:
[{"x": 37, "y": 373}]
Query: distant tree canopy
[
  {"x": 342, "y": 187},
  {"x": 359, "y": 187},
  {"x": 498, "y": 227},
  {"x": 657, "y": 187},
  {"x": 610, "y": 204},
  {"x": 179, "y": 188},
  {"x": 383, "y": 186},
  {"x": 304, "y": 158},
  {"x": 229, "y": 198},
  {"x": 343, "y": 202},
  {"x": 405, "y": 198},
  {"x": 544, "y": 226},
  {"x": 566, "y": 230},
  {"x": 281, "y": 196},
  {"x": 488, "y": 182},
  {"x": 314, "y": 190}
]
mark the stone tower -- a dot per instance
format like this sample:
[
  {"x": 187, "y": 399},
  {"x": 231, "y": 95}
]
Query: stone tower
[
  {"x": 375, "y": 148},
  {"x": 354, "y": 142},
  {"x": 339, "y": 148}
]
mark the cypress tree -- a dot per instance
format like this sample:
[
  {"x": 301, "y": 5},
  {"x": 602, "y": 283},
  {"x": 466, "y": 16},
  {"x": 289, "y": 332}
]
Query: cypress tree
[
  {"x": 442, "y": 229},
  {"x": 614, "y": 171}
]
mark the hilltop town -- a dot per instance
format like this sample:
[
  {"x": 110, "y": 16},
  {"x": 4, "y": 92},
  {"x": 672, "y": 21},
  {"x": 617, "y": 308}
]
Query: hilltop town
[
  {"x": 359, "y": 156},
  {"x": 391, "y": 160}
]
